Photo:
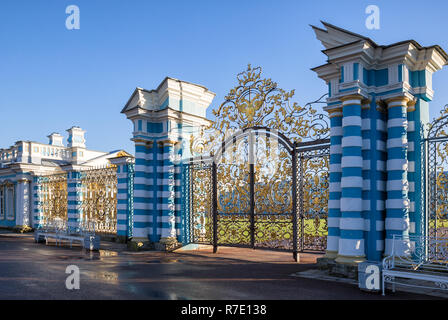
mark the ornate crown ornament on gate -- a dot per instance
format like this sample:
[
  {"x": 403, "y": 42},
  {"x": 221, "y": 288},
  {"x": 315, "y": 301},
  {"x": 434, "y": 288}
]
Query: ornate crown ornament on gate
[
  {"x": 259, "y": 102},
  {"x": 257, "y": 139}
]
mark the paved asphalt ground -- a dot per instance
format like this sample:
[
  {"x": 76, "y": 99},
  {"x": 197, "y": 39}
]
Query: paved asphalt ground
[{"x": 36, "y": 271}]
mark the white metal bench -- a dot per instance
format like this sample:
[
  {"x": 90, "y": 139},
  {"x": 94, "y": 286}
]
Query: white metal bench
[
  {"x": 61, "y": 232},
  {"x": 423, "y": 261}
]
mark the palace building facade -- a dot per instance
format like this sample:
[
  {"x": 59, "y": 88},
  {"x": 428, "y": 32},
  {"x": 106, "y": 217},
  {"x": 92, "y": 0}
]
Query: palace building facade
[{"x": 25, "y": 161}]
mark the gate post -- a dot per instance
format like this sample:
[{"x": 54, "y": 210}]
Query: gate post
[
  {"x": 168, "y": 193},
  {"x": 351, "y": 242},
  {"x": 37, "y": 201},
  {"x": 125, "y": 196},
  {"x": 74, "y": 199},
  {"x": 380, "y": 146},
  {"x": 397, "y": 204},
  {"x": 164, "y": 120},
  {"x": 335, "y": 176}
]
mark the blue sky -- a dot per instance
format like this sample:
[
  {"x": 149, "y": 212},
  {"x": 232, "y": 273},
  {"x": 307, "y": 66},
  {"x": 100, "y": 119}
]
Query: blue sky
[{"x": 52, "y": 78}]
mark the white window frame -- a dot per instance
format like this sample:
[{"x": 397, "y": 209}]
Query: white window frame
[{"x": 10, "y": 206}]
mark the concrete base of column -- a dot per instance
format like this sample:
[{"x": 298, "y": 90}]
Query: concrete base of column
[
  {"x": 140, "y": 244},
  {"x": 22, "y": 229},
  {"x": 331, "y": 254},
  {"x": 350, "y": 260},
  {"x": 339, "y": 270},
  {"x": 167, "y": 244},
  {"x": 121, "y": 239}
]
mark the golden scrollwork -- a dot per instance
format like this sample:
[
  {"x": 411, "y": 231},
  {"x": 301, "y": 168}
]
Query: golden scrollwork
[
  {"x": 438, "y": 222},
  {"x": 437, "y": 128},
  {"x": 313, "y": 196},
  {"x": 259, "y": 102},
  {"x": 99, "y": 199},
  {"x": 53, "y": 198},
  {"x": 201, "y": 202},
  {"x": 234, "y": 196},
  {"x": 254, "y": 168},
  {"x": 437, "y": 162}
]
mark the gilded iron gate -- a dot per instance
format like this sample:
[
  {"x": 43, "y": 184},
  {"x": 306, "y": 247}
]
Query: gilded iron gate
[
  {"x": 260, "y": 191},
  {"x": 258, "y": 188},
  {"x": 254, "y": 190}
]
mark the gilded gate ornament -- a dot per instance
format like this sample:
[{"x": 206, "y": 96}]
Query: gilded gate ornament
[
  {"x": 259, "y": 102},
  {"x": 258, "y": 121}
]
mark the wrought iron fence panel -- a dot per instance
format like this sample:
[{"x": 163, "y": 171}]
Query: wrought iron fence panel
[
  {"x": 313, "y": 195},
  {"x": 273, "y": 195},
  {"x": 53, "y": 199},
  {"x": 201, "y": 220},
  {"x": 436, "y": 171},
  {"x": 234, "y": 196},
  {"x": 99, "y": 200},
  {"x": 437, "y": 188}
]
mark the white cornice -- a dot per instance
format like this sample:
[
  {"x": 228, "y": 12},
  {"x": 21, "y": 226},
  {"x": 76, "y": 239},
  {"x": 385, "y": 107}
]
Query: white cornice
[
  {"x": 343, "y": 46},
  {"x": 167, "y": 114},
  {"x": 169, "y": 88}
]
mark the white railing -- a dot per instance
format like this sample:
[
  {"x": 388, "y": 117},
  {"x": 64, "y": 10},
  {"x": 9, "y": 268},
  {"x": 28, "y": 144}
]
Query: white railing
[{"x": 422, "y": 260}]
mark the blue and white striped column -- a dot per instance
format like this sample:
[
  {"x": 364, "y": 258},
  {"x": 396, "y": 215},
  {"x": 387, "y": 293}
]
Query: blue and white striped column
[
  {"x": 125, "y": 195},
  {"x": 351, "y": 242},
  {"x": 369, "y": 165},
  {"x": 169, "y": 217},
  {"x": 334, "y": 203},
  {"x": 143, "y": 190},
  {"x": 397, "y": 203},
  {"x": 74, "y": 199},
  {"x": 413, "y": 137},
  {"x": 37, "y": 201},
  {"x": 378, "y": 181}
]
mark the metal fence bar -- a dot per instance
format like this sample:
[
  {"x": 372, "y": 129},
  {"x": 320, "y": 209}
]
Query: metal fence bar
[
  {"x": 294, "y": 204},
  {"x": 215, "y": 207}
]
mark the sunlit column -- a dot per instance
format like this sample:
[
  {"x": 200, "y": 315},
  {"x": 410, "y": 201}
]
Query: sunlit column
[
  {"x": 397, "y": 203},
  {"x": 23, "y": 203},
  {"x": 351, "y": 242},
  {"x": 334, "y": 204},
  {"x": 125, "y": 195},
  {"x": 166, "y": 193},
  {"x": 143, "y": 193}
]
